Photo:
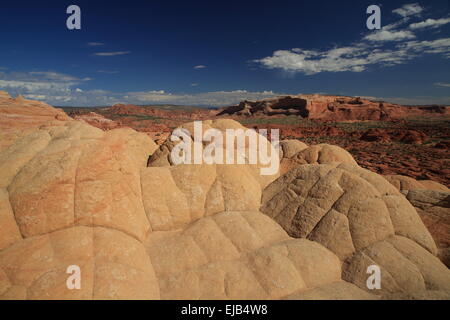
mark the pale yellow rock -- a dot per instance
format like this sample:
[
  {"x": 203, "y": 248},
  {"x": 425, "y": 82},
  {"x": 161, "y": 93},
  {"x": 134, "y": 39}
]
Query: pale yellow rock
[
  {"x": 162, "y": 156},
  {"x": 10, "y": 232},
  {"x": 238, "y": 255},
  {"x": 80, "y": 175},
  {"x": 322, "y": 154},
  {"x": 334, "y": 291},
  {"x": 432, "y": 202},
  {"x": 113, "y": 265},
  {"x": 433, "y": 185},
  {"x": 289, "y": 148},
  {"x": 316, "y": 154},
  {"x": 12, "y": 159},
  {"x": 300, "y": 199},
  {"x": 187, "y": 193},
  {"x": 333, "y": 231},
  {"x": 406, "y": 267},
  {"x": 421, "y": 295},
  {"x": 434, "y": 210},
  {"x": 364, "y": 220},
  {"x": 403, "y": 183},
  {"x": 74, "y": 195}
]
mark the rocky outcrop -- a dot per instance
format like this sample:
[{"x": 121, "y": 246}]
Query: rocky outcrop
[
  {"x": 363, "y": 219},
  {"x": 336, "y": 108},
  {"x": 289, "y": 148},
  {"x": 283, "y": 105},
  {"x": 316, "y": 154},
  {"x": 19, "y": 117},
  {"x": 432, "y": 202},
  {"x": 404, "y": 183},
  {"x": 162, "y": 156},
  {"x": 244, "y": 255},
  {"x": 144, "y": 233},
  {"x": 434, "y": 209}
]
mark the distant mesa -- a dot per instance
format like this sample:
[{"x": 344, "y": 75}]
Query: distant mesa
[{"x": 335, "y": 108}]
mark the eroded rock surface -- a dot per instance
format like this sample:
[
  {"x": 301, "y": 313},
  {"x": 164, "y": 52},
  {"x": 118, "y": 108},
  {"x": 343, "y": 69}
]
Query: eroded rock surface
[
  {"x": 432, "y": 202},
  {"x": 72, "y": 194},
  {"x": 363, "y": 219},
  {"x": 316, "y": 154}
]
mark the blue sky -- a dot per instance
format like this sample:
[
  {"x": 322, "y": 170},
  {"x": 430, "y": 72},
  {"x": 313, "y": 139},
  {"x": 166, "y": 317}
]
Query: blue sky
[{"x": 218, "y": 53}]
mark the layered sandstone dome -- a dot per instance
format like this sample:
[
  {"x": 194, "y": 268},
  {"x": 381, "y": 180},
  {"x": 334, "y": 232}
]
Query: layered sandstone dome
[
  {"x": 364, "y": 220},
  {"x": 72, "y": 194},
  {"x": 432, "y": 202}
]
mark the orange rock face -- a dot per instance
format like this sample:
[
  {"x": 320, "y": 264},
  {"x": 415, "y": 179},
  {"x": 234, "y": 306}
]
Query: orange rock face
[{"x": 334, "y": 108}]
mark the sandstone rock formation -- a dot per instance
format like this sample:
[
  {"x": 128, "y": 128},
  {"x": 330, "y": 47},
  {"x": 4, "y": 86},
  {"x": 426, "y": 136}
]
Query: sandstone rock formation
[
  {"x": 187, "y": 193},
  {"x": 97, "y": 120},
  {"x": 316, "y": 154},
  {"x": 434, "y": 209},
  {"x": 432, "y": 202},
  {"x": 337, "y": 108},
  {"x": 84, "y": 197},
  {"x": 289, "y": 148},
  {"x": 72, "y": 194},
  {"x": 363, "y": 219},
  {"x": 162, "y": 156},
  {"x": 404, "y": 183},
  {"x": 244, "y": 255},
  {"x": 19, "y": 117}
]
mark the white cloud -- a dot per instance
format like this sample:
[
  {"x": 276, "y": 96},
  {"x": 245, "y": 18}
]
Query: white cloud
[
  {"x": 386, "y": 35},
  {"x": 109, "y": 54},
  {"x": 39, "y": 83},
  {"x": 30, "y": 85},
  {"x": 408, "y": 10},
  {"x": 442, "y": 84},
  {"x": 200, "y": 66},
  {"x": 95, "y": 44},
  {"x": 194, "y": 84},
  {"x": 429, "y": 23},
  {"x": 433, "y": 46},
  {"x": 376, "y": 48}
]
